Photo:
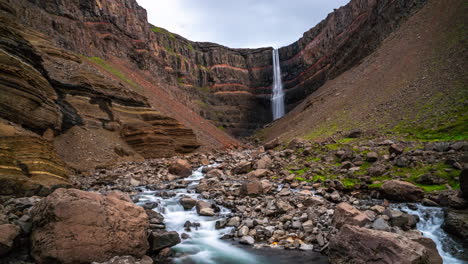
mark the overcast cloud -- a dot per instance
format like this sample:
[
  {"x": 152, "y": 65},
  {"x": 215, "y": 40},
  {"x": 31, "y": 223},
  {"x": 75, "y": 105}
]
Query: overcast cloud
[{"x": 240, "y": 23}]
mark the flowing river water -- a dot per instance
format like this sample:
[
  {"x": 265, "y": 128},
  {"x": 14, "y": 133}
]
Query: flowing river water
[{"x": 205, "y": 245}]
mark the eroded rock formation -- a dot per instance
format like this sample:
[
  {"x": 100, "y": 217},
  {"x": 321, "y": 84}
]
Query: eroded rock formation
[{"x": 230, "y": 87}]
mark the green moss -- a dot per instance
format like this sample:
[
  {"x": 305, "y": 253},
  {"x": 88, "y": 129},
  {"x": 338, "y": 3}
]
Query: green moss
[
  {"x": 299, "y": 172},
  {"x": 350, "y": 183},
  {"x": 375, "y": 185},
  {"x": 320, "y": 178},
  {"x": 300, "y": 179},
  {"x": 106, "y": 66},
  {"x": 159, "y": 30},
  {"x": 221, "y": 128},
  {"x": 347, "y": 140},
  {"x": 431, "y": 188},
  {"x": 440, "y": 170}
]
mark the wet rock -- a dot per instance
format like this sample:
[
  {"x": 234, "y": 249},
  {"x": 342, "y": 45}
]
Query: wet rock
[
  {"x": 73, "y": 226},
  {"x": 234, "y": 221},
  {"x": 247, "y": 240},
  {"x": 251, "y": 187},
  {"x": 220, "y": 224},
  {"x": 361, "y": 245},
  {"x": 456, "y": 223},
  {"x": 160, "y": 240},
  {"x": 8, "y": 233},
  {"x": 187, "y": 202},
  {"x": 180, "y": 168},
  {"x": 402, "y": 191},
  {"x": 347, "y": 214},
  {"x": 243, "y": 231},
  {"x": 205, "y": 208},
  {"x": 403, "y": 220}
]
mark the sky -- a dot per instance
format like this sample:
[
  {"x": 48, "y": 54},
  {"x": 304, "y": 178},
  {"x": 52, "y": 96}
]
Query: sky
[{"x": 240, "y": 23}]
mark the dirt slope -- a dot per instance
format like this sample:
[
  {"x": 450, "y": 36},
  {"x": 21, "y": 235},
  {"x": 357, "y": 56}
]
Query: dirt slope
[{"x": 415, "y": 83}]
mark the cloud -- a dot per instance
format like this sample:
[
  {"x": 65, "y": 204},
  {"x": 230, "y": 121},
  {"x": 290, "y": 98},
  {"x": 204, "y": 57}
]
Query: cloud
[{"x": 240, "y": 23}]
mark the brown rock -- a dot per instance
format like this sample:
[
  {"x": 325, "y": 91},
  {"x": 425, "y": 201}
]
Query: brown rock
[
  {"x": 73, "y": 226},
  {"x": 252, "y": 187},
  {"x": 347, "y": 214},
  {"x": 187, "y": 202},
  {"x": 396, "y": 149},
  {"x": 361, "y": 245},
  {"x": 205, "y": 208},
  {"x": 402, "y": 191},
  {"x": 181, "y": 168},
  {"x": 8, "y": 233}
]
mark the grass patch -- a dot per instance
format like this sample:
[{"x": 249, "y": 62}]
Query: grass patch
[
  {"x": 350, "y": 183},
  {"x": 439, "y": 170},
  {"x": 159, "y": 30},
  {"x": 106, "y": 66}
]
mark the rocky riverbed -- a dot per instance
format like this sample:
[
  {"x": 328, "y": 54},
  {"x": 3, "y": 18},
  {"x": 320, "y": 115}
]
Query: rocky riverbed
[{"x": 343, "y": 200}]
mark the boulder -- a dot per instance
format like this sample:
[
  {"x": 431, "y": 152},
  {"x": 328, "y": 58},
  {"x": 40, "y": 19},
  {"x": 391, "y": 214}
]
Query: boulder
[
  {"x": 214, "y": 173},
  {"x": 259, "y": 173},
  {"x": 347, "y": 214},
  {"x": 247, "y": 240},
  {"x": 402, "y": 191},
  {"x": 160, "y": 240},
  {"x": 8, "y": 233},
  {"x": 205, "y": 208},
  {"x": 264, "y": 163},
  {"x": 242, "y": 168},
  {"x": 73, "y": 226},
  {"x": 359, "y": 245},
  {"x": 187, "y": 202},
  {"x": 456, "y": 223},
  {"x": 252, "y": 187},
  {"x": 372, "y": 156},
  {"x": 180, "y": 168}
]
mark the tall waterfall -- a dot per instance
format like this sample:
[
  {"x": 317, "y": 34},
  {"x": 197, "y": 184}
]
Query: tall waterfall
[{"x": 277, "y": 100}]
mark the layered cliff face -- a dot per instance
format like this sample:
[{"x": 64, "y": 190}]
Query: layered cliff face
[
  {"x": 230, "y": 87},
  {"x": 60, "y": 110}
]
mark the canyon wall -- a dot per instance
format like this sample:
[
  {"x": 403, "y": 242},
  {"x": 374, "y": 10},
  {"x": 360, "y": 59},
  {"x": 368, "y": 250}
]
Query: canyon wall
[{"x": 230, "y": 87}]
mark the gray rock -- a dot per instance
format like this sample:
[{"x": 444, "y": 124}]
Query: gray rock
[
  {"x": 247, "y": 240},
  {"x": 381, "y": 224},
  {"x": 160, "y": 240}
]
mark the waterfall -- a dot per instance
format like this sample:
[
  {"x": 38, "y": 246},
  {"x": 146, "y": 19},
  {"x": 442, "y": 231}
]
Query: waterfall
[{"x": 277, "y": 100}]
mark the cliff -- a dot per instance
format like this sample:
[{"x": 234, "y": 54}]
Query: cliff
[{"x": 230, "y": 87}]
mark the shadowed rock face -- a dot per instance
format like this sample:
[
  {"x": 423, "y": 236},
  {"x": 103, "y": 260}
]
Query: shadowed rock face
[{"x": 230, "y": 87}]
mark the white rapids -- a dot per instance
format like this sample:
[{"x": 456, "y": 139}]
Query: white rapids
[
  {"x": 430, "y": 222},
  {"x": 277, "y": 100},
  {"x": 204, "y": 245}
]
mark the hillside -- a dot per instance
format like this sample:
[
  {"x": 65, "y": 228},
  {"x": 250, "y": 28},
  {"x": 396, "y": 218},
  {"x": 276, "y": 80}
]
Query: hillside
[{"x": 414, "y": 85}]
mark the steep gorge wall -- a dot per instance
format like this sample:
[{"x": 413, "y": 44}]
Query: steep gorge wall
[
  {"x": 338, "y": 43},
  {"x": 230, "y": 87}
]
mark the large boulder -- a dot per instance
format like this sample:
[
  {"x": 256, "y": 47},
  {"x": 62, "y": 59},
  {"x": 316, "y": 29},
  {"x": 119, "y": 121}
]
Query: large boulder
[
  {"x": 359, "y": 245},
  {"x": 205, "y": 208},
  {"x": 456, "y": 223},
  {"x": 402, "y": 191},
  {"x": 180, "y": 168},
  {"x": 8, "y": 233},
  {"x": 73, "y": 226},
  {"x": 347, "y": 214}
]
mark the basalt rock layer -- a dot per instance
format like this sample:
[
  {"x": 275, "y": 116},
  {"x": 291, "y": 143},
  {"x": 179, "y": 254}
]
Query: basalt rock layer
[
  {"x": 230, "y": 87},
  {"x": 57, "y": 106}
]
